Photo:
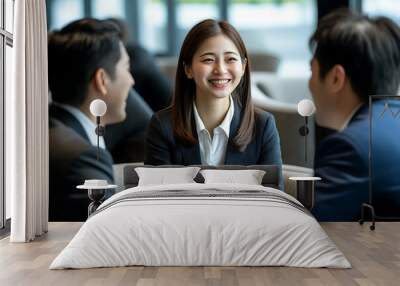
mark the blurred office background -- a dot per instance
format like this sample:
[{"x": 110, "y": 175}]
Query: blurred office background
[
  {"x": 278, "y": 27},
  {"x": 276, "y": 34}
]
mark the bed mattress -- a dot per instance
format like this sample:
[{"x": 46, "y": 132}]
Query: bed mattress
[{"x": 201, "y": 225}]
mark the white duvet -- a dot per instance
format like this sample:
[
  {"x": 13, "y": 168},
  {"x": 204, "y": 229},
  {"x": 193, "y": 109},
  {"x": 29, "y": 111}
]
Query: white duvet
[{"x": 206, "y": 230}]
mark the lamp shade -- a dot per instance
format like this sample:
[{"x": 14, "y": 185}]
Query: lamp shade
[
  {"x": 98, "y": 107},
  {"x": 306, "y": 107}
]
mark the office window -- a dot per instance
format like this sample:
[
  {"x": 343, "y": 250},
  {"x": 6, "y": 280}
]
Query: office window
[
  {"x": 153, "y": 26},
  {"x": 281, "y": 27},
  {"x": 388, "y": 8},
  {"x": 9, "y": 11},
  {"x": 65, "y": 11},
  {"x": 2, "y": 110},
  {"x": 107, "y": 8},
  {"x": 6, "y": 41},
  {"x": 8, "y": 86},
  {"x": 189, "y": 13}
]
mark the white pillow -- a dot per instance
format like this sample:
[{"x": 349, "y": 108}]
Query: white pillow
[
  {"x": 248, "y": 177},
  {"x": 164, "y": 176}
]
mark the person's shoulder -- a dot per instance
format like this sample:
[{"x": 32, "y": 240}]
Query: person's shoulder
[
  {"x": 93, "y": 156},
  {"x": 59, "y": 130},
  {"x": 137, "y": 52},
  {"x": 344, "y": 145},
  {"x": 65, "y": 142},
  {"x": 136, "y": 47},
  {"x": 264, "y": 124},
  {"x": 162, "y": 122},
  {"x": 354, "y": 137},
  {"x": 262, "y": 117},
  {"x": 164, "y": 115},
  {"x": 337, "y": 138},
  {"x": 356, "y": 133},
  {"x": 65, "y": 145}
]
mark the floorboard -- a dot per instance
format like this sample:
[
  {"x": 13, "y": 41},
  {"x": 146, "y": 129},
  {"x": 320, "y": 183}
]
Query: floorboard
[{"x": 374, "y": 255}]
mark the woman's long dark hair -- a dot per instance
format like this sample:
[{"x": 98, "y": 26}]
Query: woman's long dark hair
[{"x": 185, "y": 88}]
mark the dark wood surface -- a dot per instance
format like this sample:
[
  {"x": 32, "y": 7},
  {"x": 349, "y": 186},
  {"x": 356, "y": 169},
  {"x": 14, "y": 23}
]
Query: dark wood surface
[{"x": 374, "y": 255}]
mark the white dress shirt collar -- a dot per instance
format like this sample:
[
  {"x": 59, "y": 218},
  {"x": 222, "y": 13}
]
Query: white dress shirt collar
[
  {"x": 348, "y": 119},
  {"x": 213, "y": 150},
  {"x": 86, "y": 123},
  {"x": 225, "y": 124}
]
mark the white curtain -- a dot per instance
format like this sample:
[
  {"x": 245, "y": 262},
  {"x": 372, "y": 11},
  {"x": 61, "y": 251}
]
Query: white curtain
[{"x": 27, "y": 124}]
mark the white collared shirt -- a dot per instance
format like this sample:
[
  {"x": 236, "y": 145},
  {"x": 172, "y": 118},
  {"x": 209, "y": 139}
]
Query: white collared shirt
[
  {"x": 213, "y": 150},
  {"x": 347, "y": 121},
  {"x": 86, "y": 123}
]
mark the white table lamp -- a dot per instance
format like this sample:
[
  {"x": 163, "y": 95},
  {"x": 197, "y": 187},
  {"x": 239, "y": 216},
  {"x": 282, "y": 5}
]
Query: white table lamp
[
  {"x": 98, "y": 108},
  {"x": 305, "y": 108}
]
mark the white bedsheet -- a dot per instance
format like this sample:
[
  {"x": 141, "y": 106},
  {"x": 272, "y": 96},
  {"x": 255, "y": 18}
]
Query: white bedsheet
[{"x": 200, "y": 231}]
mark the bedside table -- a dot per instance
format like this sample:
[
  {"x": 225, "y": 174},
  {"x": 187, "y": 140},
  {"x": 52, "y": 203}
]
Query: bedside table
[
  {"x": 96, "y": 195},
  {"x": 305, "y": 190}
]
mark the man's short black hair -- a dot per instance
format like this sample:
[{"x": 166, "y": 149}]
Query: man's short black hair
[
  {"x": 76, "y": 52},
  {"x": 368, "y": 49}
]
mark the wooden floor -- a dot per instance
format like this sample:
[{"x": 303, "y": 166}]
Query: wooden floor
[{"x": 374, "y": 255}]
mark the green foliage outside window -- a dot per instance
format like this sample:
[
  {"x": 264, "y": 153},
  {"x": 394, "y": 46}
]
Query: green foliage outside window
[
  {"x": 196, "y": 1},
  {"x": 278, "y": 2},
  {"x": 266, "y": 1}
]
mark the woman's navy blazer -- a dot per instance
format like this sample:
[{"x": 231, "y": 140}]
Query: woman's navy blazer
[{"x": 162, "y": 148}]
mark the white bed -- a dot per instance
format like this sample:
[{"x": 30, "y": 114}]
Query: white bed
[{"x": 201, "y": 224}]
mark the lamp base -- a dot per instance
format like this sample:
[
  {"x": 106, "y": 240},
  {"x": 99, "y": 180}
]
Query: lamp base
[
  {"x": 305, "y": 190},
  {"x": 373, "y": 217},
  {"x": 96, "y": 196},
  {"x": 305, "y": 193}
]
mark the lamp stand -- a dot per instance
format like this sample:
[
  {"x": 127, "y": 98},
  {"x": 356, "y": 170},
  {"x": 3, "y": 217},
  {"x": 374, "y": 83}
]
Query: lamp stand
[
  {"x": 303, "y": 130},
  {"x": 369, "y": 205},
  {"x": 100, "y": 131},
  {"x": 305, "y": 138}
]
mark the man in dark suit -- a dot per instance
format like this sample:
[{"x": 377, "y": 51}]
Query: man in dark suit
[
  {"x": 355, "y": 57},
  {"x": 86, "y": 61}
]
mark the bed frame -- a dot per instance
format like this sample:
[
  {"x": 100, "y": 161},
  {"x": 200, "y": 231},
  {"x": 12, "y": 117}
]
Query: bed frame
[{"x": 272, "y": 177}]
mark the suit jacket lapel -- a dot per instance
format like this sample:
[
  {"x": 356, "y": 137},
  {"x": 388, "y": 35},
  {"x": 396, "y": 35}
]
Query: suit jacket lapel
[
  {"x": 191, "y": 152},
  {"x": 233, "y": 155}
]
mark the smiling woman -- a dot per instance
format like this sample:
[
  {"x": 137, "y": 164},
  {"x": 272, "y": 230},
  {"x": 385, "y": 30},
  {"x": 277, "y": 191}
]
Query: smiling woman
[{"x": 212, "y": 120}]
